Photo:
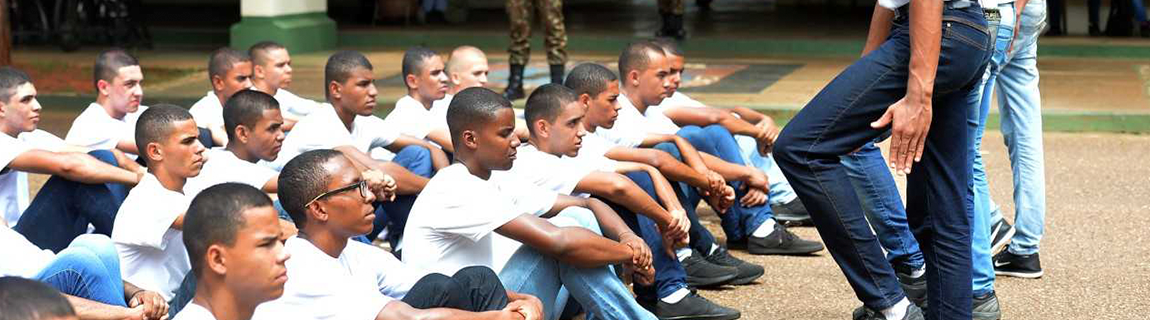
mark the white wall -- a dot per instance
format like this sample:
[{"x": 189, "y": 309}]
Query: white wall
[{"x": 272, "y": 8}]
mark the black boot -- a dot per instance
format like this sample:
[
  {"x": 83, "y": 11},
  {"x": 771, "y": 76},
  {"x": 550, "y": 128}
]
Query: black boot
[
  {"x": 514, "y": 89},
  {"x": 557, "y": 73},
  {"x": 672, "y": 27}
]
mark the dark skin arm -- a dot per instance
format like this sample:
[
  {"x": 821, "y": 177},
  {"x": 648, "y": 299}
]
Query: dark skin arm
[
  {"x": 442, "y": 138},
  {"x": 398, "y": 310},
  {"x": 407, "y": 182},
  {"x": 619, "y": 189},
  {"x": 155, "y": 307},
  {"x": 92, "y": 310},
  {"x": 754, "y": 179},
  {"x": 438, "y": 158},
  {"x": 574, "y": 245}
]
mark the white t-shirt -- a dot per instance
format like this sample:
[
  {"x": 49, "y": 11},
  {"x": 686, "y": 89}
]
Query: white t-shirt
[
  {"x": 294, "y": 107},
  {"x": 14, "y": 193},
  {"x": 439, "y": 112},
  {"x": 223, "y": 166},
  {"x": 95, "y": 129},
  {"x": 545, "y": 170},
  {"x": 594, "y": 154},
  {"x": 356, "y": 285},
  {"x": 193, "y": 311},
  {"x": 630, "y": 126},
  {"x": 152, "y": 254},
  {"x": 410, "y": 117},
  {"x": 208, "y": 112},
  {"x": 452, "y": 224},
  {"x": 21, "y": 257},
  {"x": 322, "y": 129}
]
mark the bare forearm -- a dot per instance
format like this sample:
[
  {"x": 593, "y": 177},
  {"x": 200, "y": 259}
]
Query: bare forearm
[
  {"x": 729, "y": 171},
  {"x": 691, "y": 156},
  {"x": 442, "y": 138},
  {"x": 663, "y": 189},
  {"x": 91, "y": 170},
  {"x": 127, "y": 163},
  {"x": 406, "y": 181},
  {"x": 618, "y": 189},
  {"x": 738, "y": 126},
  {"x": 880, "y": 22},
  {"x": 749, "y": 115},
  {"x": 925, "y": 39},
  {"x": 91, "y": 310}
]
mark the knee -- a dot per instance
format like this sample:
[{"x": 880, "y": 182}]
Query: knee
[
  {"x": 690, "y": 132},
  {"x": 437, "y": 282},
  {"x": 84, "y": 262},
  {"x": 715, "y": 130},
  {"x": 478, "y": 275},
  {"x": 97, "y": 243},
  {"x": 784, "y": 151},
  {"x": 415, "y": 152}
]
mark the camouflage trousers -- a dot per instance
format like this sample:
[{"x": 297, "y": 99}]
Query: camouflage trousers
[
  {"x": 521, "y": 14},
  {"x": 672, "y": 6}
]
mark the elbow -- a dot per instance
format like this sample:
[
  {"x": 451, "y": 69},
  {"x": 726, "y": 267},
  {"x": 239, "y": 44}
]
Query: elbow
[
  {"x": 73, "y": 166},
  {"x": 660, "y": 158},
  {"x": 619, "y": 187}
]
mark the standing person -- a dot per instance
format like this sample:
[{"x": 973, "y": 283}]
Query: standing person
[
  {"x": 272, "y": 74},
  {"x": 671, "y": 11},
  {"x": 909, "y": 68},
  {"x": 521, "y": 13}
]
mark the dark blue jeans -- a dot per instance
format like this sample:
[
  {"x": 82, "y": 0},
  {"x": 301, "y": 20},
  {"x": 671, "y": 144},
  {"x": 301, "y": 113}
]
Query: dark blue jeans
[
  {"x": 882, "y": 205},
  {"x": 63, "y": 209},
  {"x": 393, "y": 214},
  {"x": 89, "y": 268},
  {"x": 837, "y": 122},
  {"x": 701, "y": 239},
  {"x": 669, "y": 273},
  {"x": 739, "y": 221}
]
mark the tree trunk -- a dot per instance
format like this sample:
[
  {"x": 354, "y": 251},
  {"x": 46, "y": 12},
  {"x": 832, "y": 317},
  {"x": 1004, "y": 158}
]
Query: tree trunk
[{"x": 5, "y": 35}]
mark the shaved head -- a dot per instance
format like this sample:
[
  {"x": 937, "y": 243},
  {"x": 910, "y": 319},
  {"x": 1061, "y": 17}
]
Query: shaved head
[{"x": 464, "y": 56}]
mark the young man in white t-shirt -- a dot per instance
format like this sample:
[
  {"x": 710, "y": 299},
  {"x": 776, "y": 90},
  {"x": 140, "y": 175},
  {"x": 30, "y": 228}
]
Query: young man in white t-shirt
[
  {"x": 229, "y": 71},
  {"x": 272, "y": 74},
  {"x": 463, "y": 218},
  {"x": 232, "y": 235},
  {"x": 348, "y": 124},
  {"x": 109, "y": 123},
  {"x": 555, "y": 118},
  {"x": 426, "y": 81},
  {"x": 84, "y": 188},
  {"x": 149, "y": 225},
  {"x": 255, "y": 132},
  {"x": 466, "y": 68},
  {"x": 330, "y": 276}
]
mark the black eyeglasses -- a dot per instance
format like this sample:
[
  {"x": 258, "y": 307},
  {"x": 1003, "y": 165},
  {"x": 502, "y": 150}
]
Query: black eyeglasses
[{"x": 361, "y": 185}]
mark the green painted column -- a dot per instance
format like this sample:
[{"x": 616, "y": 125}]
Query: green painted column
[{"x": 300, "y": 25}]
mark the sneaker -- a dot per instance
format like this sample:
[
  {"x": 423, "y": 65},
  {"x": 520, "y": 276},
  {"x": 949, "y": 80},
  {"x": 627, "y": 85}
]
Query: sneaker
[
  {"x": 1020, "y": 266},
  {"x": 1002, "y": 232},
  {"x": 913, "y": 312},
  {"x": 792, "y": 213},
  {"x": 747, "y": 272},
  {"x": 693, "y": 306},
  {"x": 986, "y": 307},
  {"x": 702, "y": 273},
  {"x": 915, "y": 288},
  {"x": 782, "y": 242}
]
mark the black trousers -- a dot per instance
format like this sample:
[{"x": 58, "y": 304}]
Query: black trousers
[{"x": 474, "y": 288}]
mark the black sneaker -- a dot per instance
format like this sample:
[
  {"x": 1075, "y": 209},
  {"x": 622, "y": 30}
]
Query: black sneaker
[
  {"x": 747, "y": 272},
  {"x": 792, "y": 213},
  {"x": 693, "y": 306},
  {"x": 915, "y": 288},
  {"x": 1020, "y": 266},
  {"x": 702, "y": 273},
  {"x": 913, "y": 312},
  {"x": 986, "y": 307},
  {"x": 1002, "y": 233},
  {"x": 782, "y": 242}
]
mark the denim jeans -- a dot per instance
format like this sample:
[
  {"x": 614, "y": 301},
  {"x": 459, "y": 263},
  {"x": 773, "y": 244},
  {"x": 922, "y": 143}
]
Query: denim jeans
[
  {"x": 701, "y": 239},
  {"x": 597, "y": 289},
  {"x": 882, "y": 205},
  {"x": 393, "y": 214},
  {"x": 837, "y": 122},
  {"x": 1020, "y": 107},
  {"x": 63, "y": 209},
  {"x": 89, "y": 268},
  {"x": 669, "y": 273},
  {"x": 739, "y": 221},
  {"x": 781, "y": 191},
  {"x": 474, "y": 288}
]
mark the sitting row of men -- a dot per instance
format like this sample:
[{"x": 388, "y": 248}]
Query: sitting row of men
[{"x": 143, "y": 219}]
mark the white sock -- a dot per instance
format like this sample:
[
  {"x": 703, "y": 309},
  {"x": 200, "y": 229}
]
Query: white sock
[
  {"x": 918, "y": 273},
  {"x": 897, "y": 311},
  {"x": 714, "y": 247},
  {"x": 683, "y": 253},
  {"x": 764, "y": 229},
  {"x": 677, "y": 296}
]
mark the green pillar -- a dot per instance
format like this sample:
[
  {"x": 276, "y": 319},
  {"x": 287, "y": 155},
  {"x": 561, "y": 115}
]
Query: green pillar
[{"x": 300, "y": 25}]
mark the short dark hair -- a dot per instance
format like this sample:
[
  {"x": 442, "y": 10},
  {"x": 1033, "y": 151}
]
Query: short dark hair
[
  {"x": 302, "y": 179},
  {"x": 589, "y": 78},
  {"x": 216, "y": 215},
  {"x": 546, "y": 102},
  {"x": 471, "y": 108},
  {"x": 155, "y": 124},
  {"x": 246, "y": 107},
  {"x": 222, "y": 60},
  {"x": 10, "y": 78},
  {"x": 108, "y": 64},
  {"x": 26, "y": 299},
  {"x": 339, "y": 67},
  {"x": 258, "y": 51},
  {"x": 668, "y": 46},
  {"x": 635, "y": 57},
  {"x": 413, "y": 60}
]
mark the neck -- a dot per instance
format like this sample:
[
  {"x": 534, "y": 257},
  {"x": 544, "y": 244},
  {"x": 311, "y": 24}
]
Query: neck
[
  {"x": 473, "y": 166},
  {"x": 221, "y": 303},
  {"x": 220, "y": 97},
  {"x": 103, "y": 102},
  {"x": 328, "y": 242},
  {"x": 168, "y": 180},
  {"x": 10, "y": 131},
  {"x": 455, "y": 89},
  {"x": 241, "y": 152},
  {"x": 265, "y": 87},
  {"x": 346, "y": 117},
  {"x": 635, "y": 101},
  {"x": 541, "y": 146},
  {"x": 426, "y": 102},
  {"x": 589, "y": 127}
]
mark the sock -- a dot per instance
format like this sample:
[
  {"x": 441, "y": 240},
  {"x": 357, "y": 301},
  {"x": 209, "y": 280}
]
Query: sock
[
  {"x": 897, "y": 311},
  {"x": 683, "y": 253},
  {"x": 714, "y": 247},
  {"x": 918, "y": 272},
  {"x": 764, "y": 229},
  {"x": 677, "y": 296}
]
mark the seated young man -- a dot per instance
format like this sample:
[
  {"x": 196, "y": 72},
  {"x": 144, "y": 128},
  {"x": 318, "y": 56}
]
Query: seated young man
[
  {"x": 426, "y": 83},
  {"x": 464, "y": 219},
  {"x": 255, "y": 132},
  {"x": 329, "y": 276},
  {"x": 755, "y": 133},
  {"x": 232, "y": 235},
  {"x": 110, "y": 122},
  {"x": 23, "y": 299},
  {"x": 84, "y": 188},
  {"x": 272, "y": 74},
  {"x": 555, "y": 118},
  {"x": 750, "y": 224},
  {"x": 149, "y": 225},
  {"x": 229, "y": 71},
  {"x": 347, "y": 124}
]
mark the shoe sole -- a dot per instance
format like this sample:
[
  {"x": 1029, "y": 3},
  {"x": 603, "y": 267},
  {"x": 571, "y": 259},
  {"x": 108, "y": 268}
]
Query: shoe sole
[
  {"x": 986, "y": 315},
  {"x": 1018, "y": 274},
  {"x": 997, "y": 247},
  {"x": 706, "y": 317},
  {"x": 776, "y": 252},
  {"x": 746, "y": 280},
  {"x": 711, "y": 282}
]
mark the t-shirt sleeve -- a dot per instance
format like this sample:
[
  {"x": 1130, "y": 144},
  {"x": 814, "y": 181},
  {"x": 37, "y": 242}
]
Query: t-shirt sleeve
[
  {"x": 315, "y": 297},
  {"x": 529, "y": 199},
  {"x": 408, "y": 122},
  {"x": 44, "y": 140},
  {"x": 380, "y": 134},
  {"x": 393, "y": 277},
  {"x": 145, "y": 225},
  {"x": 85, "y": 132},
  {"x": 10, "y": 148},
  {"x": 473, "y": 214}
]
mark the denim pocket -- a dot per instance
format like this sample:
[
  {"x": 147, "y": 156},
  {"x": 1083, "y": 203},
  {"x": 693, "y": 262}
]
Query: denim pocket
[{"x": 969, "y": 31}]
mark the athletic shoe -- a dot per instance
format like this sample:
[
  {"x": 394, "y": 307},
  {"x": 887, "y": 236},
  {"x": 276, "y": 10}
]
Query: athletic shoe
[
  {"x": 913, "y": 312},
  {"x": 986, "y": 307},
  {"x": 693, "y": 306},
  {"x": 702, "y": 273},
  {"x": 748, "y": 272},
  {"x": 915, "y": 288},
  {"x": 1020, "y": 266},
  {"x": 1002, "y": 232},
  {"x": 792, "y": 213},
  {"x": 782, "y": 242}
]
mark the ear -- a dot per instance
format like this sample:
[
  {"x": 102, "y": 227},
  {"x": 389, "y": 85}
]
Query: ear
[
  {"x": 242, "y": 133},
  {"x": 257, "y": 71},
  {"x": 316, "y": 212},
  {"x": 412, "y": 81},
  {"x": 217, "y": 83},
  {"x": 454, "y": 77},
  {"x": 154, "y": 153},
  {"x": 335, "y": 90},
  {"x": 585, "y": 99},
  {"x": 633, "y": 78},
  {"x": 469, "y": 139},
  {"x": 216, "y": 259},
  {"x": 541, "y": 128},
  {"x": 102, "y": 87}
]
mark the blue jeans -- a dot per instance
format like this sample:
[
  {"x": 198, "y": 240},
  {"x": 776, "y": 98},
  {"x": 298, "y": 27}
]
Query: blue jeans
[
  {"x": 781, "y": 191},
  {"x": 63, "y": 209},
  {"x": 837, "y": 122},
  {"x": 393, "y": 214},
  {"x": 89, "y": 268},
  {"x": 739, "y": 221},
  {"x": 1020, "y": 107},
  {"x": 701, "y": 239},
  {"x": 669, "y": 273},
  {"x": 882, "y": 205}
]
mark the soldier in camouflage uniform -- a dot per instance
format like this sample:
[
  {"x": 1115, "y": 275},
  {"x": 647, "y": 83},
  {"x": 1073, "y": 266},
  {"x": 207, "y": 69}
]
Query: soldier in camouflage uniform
[
  {"x": 521, "y": 13},
  {"x": 672, "y": 13}
]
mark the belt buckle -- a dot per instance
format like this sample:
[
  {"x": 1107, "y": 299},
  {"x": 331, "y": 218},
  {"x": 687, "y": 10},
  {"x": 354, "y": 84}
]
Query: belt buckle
[{"x": 992, "y": 14}]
